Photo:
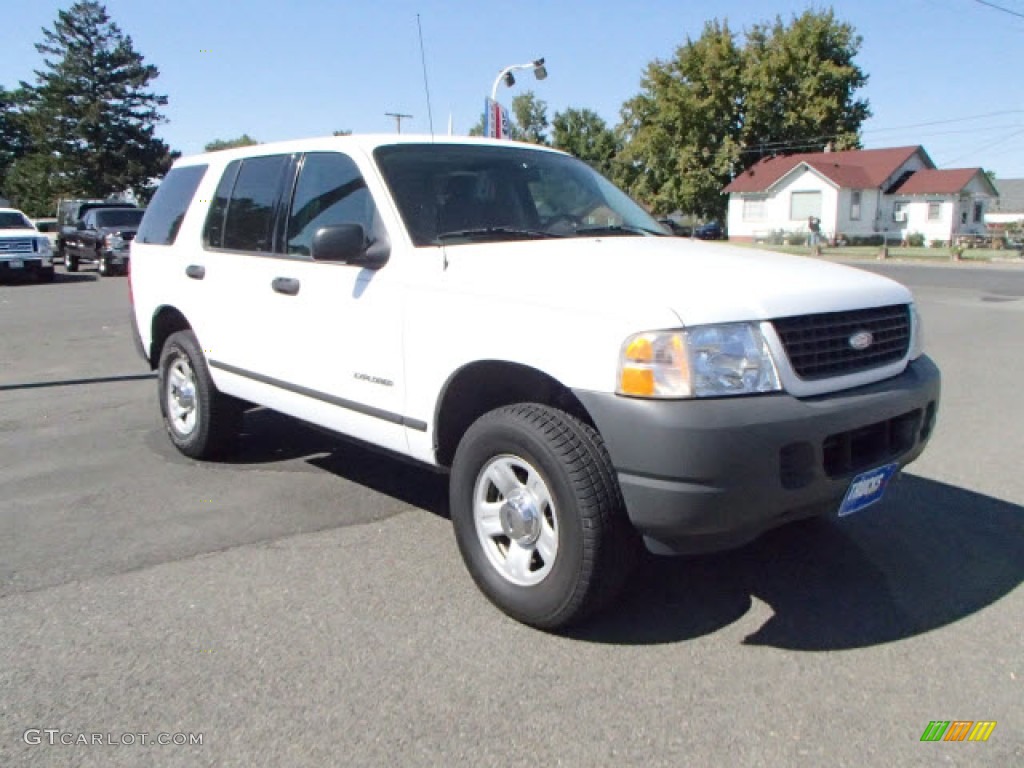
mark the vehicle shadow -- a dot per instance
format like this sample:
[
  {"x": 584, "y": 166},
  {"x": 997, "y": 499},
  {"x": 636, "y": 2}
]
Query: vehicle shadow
[
  {"x": 928, "y": 556},
  {"x": 75, "y": 277},
  {"x": 270, "y": 437},
  {"x": 59, "y": 277}
]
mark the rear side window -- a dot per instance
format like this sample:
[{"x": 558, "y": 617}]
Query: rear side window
[
  {"x": 167, "y": 209},
  {"x": 252, "y": 210},
  {"x": 213, "y": 234}
]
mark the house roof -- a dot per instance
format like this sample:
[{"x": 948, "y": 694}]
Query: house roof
[
  {"x": 1011, "y": 196},
  {"x": 935, "y": 182},
  {"x": 853, "y": 168}
]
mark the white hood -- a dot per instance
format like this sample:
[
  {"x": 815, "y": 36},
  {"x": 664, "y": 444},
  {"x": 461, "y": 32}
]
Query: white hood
[{"x": 645, "y": 276}]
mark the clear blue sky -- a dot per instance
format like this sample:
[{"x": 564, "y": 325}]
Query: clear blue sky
[{"x": 279, "y": 69}]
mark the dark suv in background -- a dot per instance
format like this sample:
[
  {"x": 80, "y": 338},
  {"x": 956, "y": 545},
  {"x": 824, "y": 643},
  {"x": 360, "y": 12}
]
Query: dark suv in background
[
  {"x": 71, "y": 212},
  {"x": 102, "y": 237}
]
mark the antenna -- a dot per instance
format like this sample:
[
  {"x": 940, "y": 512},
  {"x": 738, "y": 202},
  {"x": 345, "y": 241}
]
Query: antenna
[
  {"x": 398, "y": 119},
  {"x": 426, "y": 86}
]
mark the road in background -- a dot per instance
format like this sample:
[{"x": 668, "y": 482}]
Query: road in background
[{"x": 305, "y": 604}]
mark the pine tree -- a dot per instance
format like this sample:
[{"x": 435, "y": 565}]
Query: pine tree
[{"x": 92, "y": 112}]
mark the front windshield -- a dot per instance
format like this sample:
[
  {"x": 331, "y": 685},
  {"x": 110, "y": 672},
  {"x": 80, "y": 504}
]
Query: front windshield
[
  {"x": 118, "y": 218},
  {"x": 451, "y": 193},
  {"x": 14, "y": 220}
]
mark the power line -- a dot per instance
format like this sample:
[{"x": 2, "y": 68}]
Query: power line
[
  {"x": 786, "y": 144},
  {"x": 976, "y": 150},
  {"x": 950, "y": 120},
  {"x": 1000, "y": 8}
]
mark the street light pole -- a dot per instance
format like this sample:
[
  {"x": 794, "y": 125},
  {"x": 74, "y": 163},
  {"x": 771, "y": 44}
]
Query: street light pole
[{"x": 506, "y": 74}]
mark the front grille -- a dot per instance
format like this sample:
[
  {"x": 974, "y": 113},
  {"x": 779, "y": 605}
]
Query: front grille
[
  {"x": 819, "y": 346},
  {"x": 16, "y": 245}
]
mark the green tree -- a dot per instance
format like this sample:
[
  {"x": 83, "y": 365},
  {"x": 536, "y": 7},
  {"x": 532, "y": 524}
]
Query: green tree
[
  {"x": 582, "y": 132},
  {"x": 528, "y": 119},
  {"x": 91, "y": 112},
  {"x": 681, "y": 134},
  {"x": 531, "y": 117},
  {"x": 799, "y": 86},
  {"x": 14, "y": 139},
  {"x": 245, "y": 140},
  {"x": 722, "y": 103},
  {"x": 34, "y": 183}
]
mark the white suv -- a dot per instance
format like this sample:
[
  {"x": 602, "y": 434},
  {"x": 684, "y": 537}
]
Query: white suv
[{"x": 504, "y": 312}]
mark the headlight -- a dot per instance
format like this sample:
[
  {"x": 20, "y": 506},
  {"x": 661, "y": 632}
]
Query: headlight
[
  {"x": 916, "y": 333},
  {"x": 114, "y": 242},
  {"x": 705, "y": 361},
  {"x": 43, "y": 247}
]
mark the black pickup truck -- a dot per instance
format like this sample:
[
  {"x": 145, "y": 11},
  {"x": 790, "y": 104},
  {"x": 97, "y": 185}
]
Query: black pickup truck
[{"x": 102, "y": 237}]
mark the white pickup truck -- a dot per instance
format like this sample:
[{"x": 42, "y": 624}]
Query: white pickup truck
[{"x": 502, "y": 312}]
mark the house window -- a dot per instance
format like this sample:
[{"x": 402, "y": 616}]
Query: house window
[
  {"x": 803, "y": 205},
  {"x": 753, "y": 209},
  {"x": 978, "y": 211},
  {"x": 934, "y": 211},
  {"x": 855, "y": 205},
  {"x": 899, "y": 211}
]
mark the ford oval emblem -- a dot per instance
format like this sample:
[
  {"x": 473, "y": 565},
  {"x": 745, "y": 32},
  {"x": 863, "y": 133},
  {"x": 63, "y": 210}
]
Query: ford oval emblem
[{"x": 862, "y": 340}]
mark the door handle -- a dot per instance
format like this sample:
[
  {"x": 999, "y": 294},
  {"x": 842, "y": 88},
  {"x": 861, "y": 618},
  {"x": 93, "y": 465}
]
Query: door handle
[
  {"x": 195, "y": 271},
  {"x": 286, "y": 285}
]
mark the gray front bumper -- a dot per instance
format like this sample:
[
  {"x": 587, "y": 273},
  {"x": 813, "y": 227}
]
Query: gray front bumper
[{"x": 708, "y": 474}]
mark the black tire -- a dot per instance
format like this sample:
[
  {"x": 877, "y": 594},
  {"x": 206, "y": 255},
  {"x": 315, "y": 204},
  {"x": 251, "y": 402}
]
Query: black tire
[
  {"x": 596, "y": 545},
  {"x": 70, "y": 261},
  {"x": 217, "y": 417},
  {"x": 102, "y": 265}
]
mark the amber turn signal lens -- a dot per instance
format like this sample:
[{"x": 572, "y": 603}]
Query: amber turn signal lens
[{"x": 637, "y": 381}]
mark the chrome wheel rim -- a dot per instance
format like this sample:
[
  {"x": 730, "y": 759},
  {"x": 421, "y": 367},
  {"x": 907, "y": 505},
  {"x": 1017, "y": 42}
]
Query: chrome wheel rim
[
  {"x": 516, "y": 520},
  {"x": 182, "y": 412}
]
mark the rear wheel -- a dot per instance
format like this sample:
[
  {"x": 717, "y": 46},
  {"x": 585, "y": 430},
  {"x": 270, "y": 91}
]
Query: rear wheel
[
  {"x": 201, "y": 422},
  {"x": 538, "y": 515}
]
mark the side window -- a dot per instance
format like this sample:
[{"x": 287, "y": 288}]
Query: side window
[
  {"x": 213, "y": 232},
  {"x": 330, "y": 191},
  {"x": 251, "y": 214},
  {"x": 166, "y": 210}
]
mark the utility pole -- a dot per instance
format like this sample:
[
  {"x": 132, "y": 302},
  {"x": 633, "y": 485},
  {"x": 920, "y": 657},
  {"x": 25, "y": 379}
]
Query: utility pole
[{"x": 398, "y": 119}]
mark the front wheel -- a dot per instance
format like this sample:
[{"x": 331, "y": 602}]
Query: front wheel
[
  {"x": 70, "y": 261},
  {"x": 201, "y": 422},
  {"x": 102, "y": 265},
  {"x": 538, "y": 515}
]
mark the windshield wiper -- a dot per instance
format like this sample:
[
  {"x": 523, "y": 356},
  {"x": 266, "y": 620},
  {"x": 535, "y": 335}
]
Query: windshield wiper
[
  {"x": 618, "y": 229},
  {"x": 496, "y": 232}
]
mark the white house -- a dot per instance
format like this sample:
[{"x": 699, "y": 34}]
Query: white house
[
  {"x": 891, "y": 193},
  {"x": 1009, "y": 208}
]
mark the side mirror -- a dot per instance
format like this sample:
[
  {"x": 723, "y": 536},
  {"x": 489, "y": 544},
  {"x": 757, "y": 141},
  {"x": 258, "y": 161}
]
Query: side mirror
[{"x": 347, "y": 243}]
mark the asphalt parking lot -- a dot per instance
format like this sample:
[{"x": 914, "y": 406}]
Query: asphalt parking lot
[{"x": 305, "y": 604}]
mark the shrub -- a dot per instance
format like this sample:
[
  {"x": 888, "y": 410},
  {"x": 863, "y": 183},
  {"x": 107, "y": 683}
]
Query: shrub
[
  {"x": 866, "y": 240},
  {"x": 915, "y": 240},
  {"x": 796, "y": 238},
  {"x": 938, "y": 244}
]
